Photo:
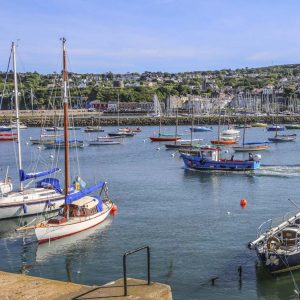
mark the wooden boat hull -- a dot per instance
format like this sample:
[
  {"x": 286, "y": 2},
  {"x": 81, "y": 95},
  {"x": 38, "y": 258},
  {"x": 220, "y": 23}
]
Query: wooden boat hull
[
  {"x": 164, "y": 139},
  {"x": 250, "y": 148},
  {"x": 54, "y": 232},
  {"x": 224, "y": 142}
]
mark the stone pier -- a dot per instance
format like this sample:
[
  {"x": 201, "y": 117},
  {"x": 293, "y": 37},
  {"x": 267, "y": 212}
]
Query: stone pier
[{"x": 24, "y": 287}]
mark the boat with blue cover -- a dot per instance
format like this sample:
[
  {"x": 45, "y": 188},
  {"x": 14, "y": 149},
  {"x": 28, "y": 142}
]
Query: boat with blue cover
[
  {"x": 45, "y": 196},
  {"x": 80, "y": 210},
  {"x": 209, "y": 159}
]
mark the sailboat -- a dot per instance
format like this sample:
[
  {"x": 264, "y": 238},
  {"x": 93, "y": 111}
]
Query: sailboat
[
  {"x": 278, "y": 246},
  {"x": 79, "y": 211},
  {"x": 183, "y": 144},
  {"x": 250, "y": 146},
  {"x": 228, "y": 137},
  {"x": 161, "y": 137},
  {"x": 281, "y": 138},
  {"x": 45, "y": 197}
]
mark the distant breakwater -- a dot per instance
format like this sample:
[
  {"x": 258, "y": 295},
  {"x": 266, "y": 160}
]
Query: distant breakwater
[{"x": 42, "y": 121}]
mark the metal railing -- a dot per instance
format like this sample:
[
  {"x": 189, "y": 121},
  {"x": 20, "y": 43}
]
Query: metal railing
[{"x": 125, "y": 266}]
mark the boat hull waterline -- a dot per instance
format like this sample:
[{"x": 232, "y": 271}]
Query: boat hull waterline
[{"x": 52, "y": 232}]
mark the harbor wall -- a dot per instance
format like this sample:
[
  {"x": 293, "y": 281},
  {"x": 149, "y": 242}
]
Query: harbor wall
[{"x": 89, "y": 120}]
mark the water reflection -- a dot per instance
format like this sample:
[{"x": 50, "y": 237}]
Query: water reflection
[
  {"x": 276, "y": 287},
  {"x": 77, "y": 244}
]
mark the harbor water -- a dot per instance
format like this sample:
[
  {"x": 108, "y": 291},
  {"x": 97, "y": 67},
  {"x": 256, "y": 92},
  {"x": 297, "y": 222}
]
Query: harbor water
[{"x": 192, "y": 221}]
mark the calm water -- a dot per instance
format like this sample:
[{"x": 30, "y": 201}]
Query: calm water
[{"x": 192, "y": 221}]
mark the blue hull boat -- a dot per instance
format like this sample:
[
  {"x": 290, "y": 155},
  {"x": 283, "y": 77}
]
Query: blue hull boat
[
  {"x": 208, "y": 159},
  {"x": 275, "y": 128},
  {"x": 200, "y": 129},
  {"x": 277, "y": 244}
]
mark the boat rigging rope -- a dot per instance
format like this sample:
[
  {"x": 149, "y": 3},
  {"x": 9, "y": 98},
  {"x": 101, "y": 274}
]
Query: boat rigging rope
[{"x": 5, "y": 81}]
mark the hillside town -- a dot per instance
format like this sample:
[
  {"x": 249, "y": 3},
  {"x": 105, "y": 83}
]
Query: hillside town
[{"x": 266, "y": 90}]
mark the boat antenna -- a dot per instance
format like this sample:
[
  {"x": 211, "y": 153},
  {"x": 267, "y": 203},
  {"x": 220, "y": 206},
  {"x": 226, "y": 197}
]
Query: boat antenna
[
  {"x": 65, "y": 101},
  {"x": 16, "y": 94}
]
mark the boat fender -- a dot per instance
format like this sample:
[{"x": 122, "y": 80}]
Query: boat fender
[
  {"x": 25, "y": 208},
  {"x": 273, "y": 243}
]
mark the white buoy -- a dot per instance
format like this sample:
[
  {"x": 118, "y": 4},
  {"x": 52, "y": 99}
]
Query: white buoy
[
  {"x": 51, "y": 156},
  {"x": 144, "y": 141},
  {"x": 39, "y": 147},
  {"x": 228, "y": 213},
  {"x": 173, "y": 154},
  {"x": 158, "y": 148},
  {"x": 27, "y": 143}
]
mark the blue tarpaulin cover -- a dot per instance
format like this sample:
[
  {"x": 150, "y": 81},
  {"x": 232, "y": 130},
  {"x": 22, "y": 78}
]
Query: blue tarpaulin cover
[
  {"x": 75, "y": 196},
  {"x": 52, "y": 182},
  {"x": 25, "y": 176}
]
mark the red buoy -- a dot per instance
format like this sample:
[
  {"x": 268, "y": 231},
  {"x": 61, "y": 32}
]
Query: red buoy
[
  {"x": 243, "y": 203},
  {"x": 113, "y": 209}
]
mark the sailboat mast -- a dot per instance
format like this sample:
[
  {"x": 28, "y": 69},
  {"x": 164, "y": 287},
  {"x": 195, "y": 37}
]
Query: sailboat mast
[
  {"x": 16, "y": 93},
  {"x": 192, "y": 129},
  {"x": 118, "y": 110},
  {"x": 66, "y": 134},
  {"x": 176, "y": 128}
]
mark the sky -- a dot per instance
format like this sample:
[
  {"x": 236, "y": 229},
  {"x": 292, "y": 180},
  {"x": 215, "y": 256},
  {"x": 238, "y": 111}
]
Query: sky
[{"x": 150, "y": 35}]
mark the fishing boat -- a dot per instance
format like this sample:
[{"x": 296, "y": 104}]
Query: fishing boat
[
  {"x": 281, "y": 138},
  {"x": 209, "y": 159},
  {"x": 263, "y": 125},
  {"x": 277, "y": 244},
  {"x": 45, "y": 196},
  {"x": 93, "y": 129},
  {"x": 275, "y": 128},
  {"x": 201, "y": 129},
  {"x": 79, "y": 211},
  {"x": 292, "y": 126}
]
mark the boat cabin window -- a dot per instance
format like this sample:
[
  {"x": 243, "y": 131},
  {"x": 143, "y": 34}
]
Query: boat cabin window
[{"x": 78, "y": 211}]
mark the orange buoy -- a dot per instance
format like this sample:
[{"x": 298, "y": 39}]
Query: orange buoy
[
  {"x": 113, "y": 209},
  {"x": 243, "y": 203}
]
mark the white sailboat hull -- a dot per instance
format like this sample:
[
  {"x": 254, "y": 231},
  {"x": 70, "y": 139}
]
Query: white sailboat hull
[
  {"x": 28, "y": 209},
  {"x": 29, "y": 202},
  {"x": 56, "y": 231}
]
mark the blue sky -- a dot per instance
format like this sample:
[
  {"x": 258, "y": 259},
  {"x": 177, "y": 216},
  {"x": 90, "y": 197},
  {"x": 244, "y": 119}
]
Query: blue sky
[{"x": 150, "y": 35}]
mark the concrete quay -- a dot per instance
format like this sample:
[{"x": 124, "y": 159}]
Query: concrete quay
[{"x": 24, "y": 287}]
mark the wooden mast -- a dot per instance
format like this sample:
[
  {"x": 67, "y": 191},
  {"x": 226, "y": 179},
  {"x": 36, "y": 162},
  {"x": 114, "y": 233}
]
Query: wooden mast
[{"x": 66, "y": 134}]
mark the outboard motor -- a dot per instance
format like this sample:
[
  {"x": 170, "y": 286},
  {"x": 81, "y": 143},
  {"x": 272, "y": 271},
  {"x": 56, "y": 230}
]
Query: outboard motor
[{"x": 257, "y": 157}]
